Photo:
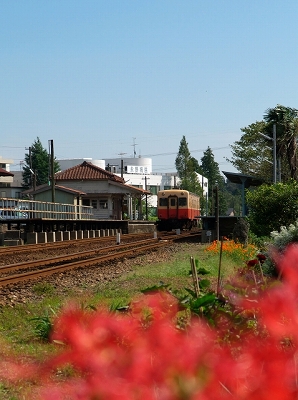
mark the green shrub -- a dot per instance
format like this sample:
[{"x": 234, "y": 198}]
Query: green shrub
[
  {"x": 280, "y": 240},
  {"x": 271, "y": 206}
]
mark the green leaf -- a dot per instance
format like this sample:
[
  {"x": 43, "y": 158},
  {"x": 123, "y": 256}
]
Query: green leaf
[{"x": 204, "y": 283}]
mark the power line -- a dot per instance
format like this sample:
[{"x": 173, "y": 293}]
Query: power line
[{"x": 191, "y": 151}]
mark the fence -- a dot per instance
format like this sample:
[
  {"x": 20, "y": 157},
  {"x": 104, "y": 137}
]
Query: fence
[{"x": 30, "y": 209}]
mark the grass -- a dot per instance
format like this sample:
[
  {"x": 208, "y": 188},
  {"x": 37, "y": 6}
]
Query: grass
[{"x": 19, "y": 334}]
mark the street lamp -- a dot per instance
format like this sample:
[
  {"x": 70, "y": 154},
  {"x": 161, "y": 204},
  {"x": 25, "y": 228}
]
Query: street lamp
[{"x": 273, "y": 139}]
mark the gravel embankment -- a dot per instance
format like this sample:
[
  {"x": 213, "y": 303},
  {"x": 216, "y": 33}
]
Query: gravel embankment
[{"x": 80, "y": 280}]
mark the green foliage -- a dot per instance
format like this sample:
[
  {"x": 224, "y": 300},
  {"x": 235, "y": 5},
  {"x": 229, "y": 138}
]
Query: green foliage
[
  {"x": 39, "y": 162},
  {"x": 260, "y": 242},
  {"x": 250, "y": 154},
  {"x": 186, "y": 167},
  {"x": 286, "y": 121},
  {"x": 271, "y": 207},
  {"x": 42, "y": 327},
  {"x": 285, "y": 236},
  {"x": 280, "y": 240},
  {"x": 210, "y": 170},
  {"x": 43, "y": 288},
  {"x": 240, "y": 231},
  {"x": 154, "y": 288},
  {"x": 253, "y": 153}
]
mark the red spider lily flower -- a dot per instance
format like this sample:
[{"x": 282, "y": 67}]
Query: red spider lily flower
[
  {"x": 252, "y": 263},
  {"x": 261, "y": 257},
  {"x": 143, "y": 355}
]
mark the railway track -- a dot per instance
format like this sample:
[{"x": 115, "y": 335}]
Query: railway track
[
  {"x": 63, "y": 244},
  {"x": 48, "y": 266}
]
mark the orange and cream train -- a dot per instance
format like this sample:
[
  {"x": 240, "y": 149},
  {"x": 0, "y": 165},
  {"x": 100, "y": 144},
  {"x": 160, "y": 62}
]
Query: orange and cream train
[{"x": 177, "y": 209}]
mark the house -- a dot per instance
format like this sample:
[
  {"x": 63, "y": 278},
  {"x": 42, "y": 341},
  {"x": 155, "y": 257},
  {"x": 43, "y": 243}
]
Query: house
[
  {"x": 106, "y": 192},
  {"x": 63, "y": 195},
  {"x": 6, "y": 177}
]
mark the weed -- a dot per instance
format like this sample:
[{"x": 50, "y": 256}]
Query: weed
[
  {"x": 43, "y": 326},
  {"x": 43, "y": 288}
]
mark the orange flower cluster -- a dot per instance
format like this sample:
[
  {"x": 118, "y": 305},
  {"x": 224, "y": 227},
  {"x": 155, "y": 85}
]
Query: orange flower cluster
[{"x": 236, "y": 250}]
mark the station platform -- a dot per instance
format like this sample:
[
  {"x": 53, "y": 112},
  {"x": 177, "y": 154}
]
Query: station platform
[{"x": 39, "y": 230}]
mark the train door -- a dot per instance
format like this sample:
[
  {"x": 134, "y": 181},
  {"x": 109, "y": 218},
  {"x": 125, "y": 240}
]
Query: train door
[{"x": 173, "y": 207}]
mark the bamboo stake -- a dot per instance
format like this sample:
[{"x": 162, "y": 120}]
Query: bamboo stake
[
  {"x": 219, "y": 267},
  {"x": 195, "y": 277}
]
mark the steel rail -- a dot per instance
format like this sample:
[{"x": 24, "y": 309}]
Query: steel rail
[
  {"x": 69, "y": 257},
  {"x": 82, "y": 263},
  {"x": 133, "y": 249},
  {"x": 64, "y": 243}
]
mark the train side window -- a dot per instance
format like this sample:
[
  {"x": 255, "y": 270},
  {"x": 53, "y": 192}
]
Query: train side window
[
  {"x": 182, "y": 201},
  {"x": 163, "y": 202}
]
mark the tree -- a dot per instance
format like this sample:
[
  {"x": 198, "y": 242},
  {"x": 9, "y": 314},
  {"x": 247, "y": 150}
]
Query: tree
[
  {"x": 36, "y": 171},
  {"x": 210, "y": 170},
  {"x": 186, "y": 165},
  {"x": 272, "y": 206},
  {"x": 286, "y": 121},
  {"x": 252, "y": 155}
]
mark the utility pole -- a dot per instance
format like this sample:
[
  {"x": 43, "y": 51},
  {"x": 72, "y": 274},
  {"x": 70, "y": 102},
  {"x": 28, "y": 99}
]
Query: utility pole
[
  {"x": 134, "y": 148},
  {"x": 273, "y": 140},
  {"x": 146, "y": 201},
  {"x": 215, "y": 190},
  {"x": 274, "y": 153},
  {"x": 121, "y": 165},
  {"x": 30, "y": 164},
  {"x": 52, "y": 170}
]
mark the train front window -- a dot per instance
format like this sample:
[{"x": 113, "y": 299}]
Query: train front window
[
  {"x": 173, "y": 202},
  {"x": 182, "y": 201},
  {"x": 163, "y": 202}
]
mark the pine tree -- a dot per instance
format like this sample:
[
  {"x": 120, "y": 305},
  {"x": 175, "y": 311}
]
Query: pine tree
[
  {"x": 186, "y": 169},
  {"x": 211, "y": 171},
  {"x": 36, "y": 171}
]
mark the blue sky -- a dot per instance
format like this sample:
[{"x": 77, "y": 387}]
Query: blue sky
[{"x": 98, "y": 76}]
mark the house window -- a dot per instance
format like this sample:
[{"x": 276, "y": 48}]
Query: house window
[
  {"x": 86, "y": 202},
  {"x": 94, "y": 203},
  {"x": 103, "y": 204}
]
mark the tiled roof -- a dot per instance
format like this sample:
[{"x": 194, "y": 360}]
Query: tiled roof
[
  {"x": 3, "y": 172},
  {"x": 86, "y": 171},
  {"x": 45, "y": 187}
]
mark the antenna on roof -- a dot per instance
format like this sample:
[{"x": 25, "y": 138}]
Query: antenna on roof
[{"x": 134, "y": 148}]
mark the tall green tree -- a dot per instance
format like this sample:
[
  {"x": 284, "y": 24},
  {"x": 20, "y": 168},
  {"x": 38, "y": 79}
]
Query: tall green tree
[
  {"x": 36, "y": 170},
  {"x": 252, "y": 154},
  {"x": 210, "y": 170},
  {"x": 186, "y": 169},
  {"x": 286, "y": 121}
]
